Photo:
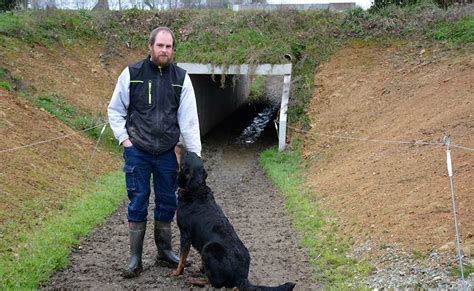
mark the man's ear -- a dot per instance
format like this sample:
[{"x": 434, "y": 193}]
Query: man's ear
[{"x": 177, "y": 152}]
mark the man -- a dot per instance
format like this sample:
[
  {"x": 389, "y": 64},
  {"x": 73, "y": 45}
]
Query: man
[{"x": 152, "y": 105}]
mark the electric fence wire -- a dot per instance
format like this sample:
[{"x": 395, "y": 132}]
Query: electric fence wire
[
  {"x": 50, "y": 140},
  {"x": 417, "y": 142}
]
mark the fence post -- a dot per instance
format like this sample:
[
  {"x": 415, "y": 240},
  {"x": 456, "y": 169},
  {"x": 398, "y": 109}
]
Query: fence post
[{"x": 447, "y": 142}]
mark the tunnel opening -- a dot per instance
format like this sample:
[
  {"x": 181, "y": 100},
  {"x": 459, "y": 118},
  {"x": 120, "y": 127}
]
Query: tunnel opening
[
  {"x": 250, "y": 126},
  {"x": 223, "y": 90},
  {"x": 254, "y": 123}
]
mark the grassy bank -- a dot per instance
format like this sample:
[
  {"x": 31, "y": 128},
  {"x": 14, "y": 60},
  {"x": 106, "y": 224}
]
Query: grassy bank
[
  {"x": 36, "y": 255},
  {"x": 326, "y": 249}
]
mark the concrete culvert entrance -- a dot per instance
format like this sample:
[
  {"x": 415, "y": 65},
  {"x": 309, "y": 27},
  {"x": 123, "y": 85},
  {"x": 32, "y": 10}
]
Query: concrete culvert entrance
[{"x": 221, "y": 90}]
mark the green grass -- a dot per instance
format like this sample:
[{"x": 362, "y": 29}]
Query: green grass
[
  {"x": 10, "y": 22},
  {"x": 458, "y": 32},
  {"x": 327, "y": 250},
  {"x": 40, "y": 253},
  {"x": 5, "y": 85},
  {"x": 49, "y": 26},
  {"x": 256, "y": 88},
  {"x": 468, "y": 269}
]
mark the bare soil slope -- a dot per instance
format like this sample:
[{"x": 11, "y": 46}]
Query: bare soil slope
[
  {"x": 394, "y": 193},
  {"x": 82, "y": 74},
  {"x": 38, "y": 178}
]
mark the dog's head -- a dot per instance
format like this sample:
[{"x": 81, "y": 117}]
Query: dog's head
[{"x": 191, "y": 174}]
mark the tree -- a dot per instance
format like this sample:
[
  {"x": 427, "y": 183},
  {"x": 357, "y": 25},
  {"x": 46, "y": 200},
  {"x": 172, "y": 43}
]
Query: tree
[
  {"x": 150, "y": 4},
  {"x": 7, "y": 5},
  {"x": 101, "y": 5}
]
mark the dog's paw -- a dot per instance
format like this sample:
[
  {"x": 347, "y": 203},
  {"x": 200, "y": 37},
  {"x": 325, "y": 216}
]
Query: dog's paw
[
  {"x": 176, "y": 273},
  {"x": 200, "y": 282}
]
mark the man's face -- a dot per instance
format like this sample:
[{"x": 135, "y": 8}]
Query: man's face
[{"x": 162, "y": 50}]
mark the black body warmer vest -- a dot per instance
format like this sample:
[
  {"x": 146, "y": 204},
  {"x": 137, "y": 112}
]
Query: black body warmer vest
[{"x": 152, "y": 117}]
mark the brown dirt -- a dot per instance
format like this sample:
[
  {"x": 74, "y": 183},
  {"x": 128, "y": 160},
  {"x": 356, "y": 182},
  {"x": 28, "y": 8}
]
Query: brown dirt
[
  {"x": 83, "y": 75},
  {"x": 394, "y": 193},
  {"x": 36, "y": 180}
]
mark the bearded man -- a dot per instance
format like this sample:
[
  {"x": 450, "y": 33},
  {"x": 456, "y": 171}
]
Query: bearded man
[{"x": 153, "y": 104}]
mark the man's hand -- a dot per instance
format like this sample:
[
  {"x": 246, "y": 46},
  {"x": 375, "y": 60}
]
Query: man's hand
[{"x": 127, "y": 143}]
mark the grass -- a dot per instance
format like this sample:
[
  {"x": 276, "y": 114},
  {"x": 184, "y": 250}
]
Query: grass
[
  {"x": 49, "y": 26},
  {"x": 4, "y": 83},
  {"x": 468, "y": 269},
  {"x": 256, "y": 88},
  {"x": 458, "y": 32},
  {"x": 40, "y": 253},
  {"x": 327, "y": 250},
  {"x": 10, "y": 22}
]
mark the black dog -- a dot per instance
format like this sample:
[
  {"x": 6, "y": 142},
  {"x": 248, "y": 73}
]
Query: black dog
[{"x": 204, "y": 226}]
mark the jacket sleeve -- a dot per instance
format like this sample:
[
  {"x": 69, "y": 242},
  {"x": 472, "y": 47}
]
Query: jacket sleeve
[
  {"x": 188, "y": 118},
  {"x": 117, "y": 109}
]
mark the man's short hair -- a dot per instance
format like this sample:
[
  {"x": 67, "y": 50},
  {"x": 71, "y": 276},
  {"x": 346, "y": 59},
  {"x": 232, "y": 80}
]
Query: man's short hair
[{"x": 155, "y": 31}]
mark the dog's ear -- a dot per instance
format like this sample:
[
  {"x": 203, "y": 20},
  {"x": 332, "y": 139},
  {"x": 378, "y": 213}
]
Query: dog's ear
[{"x": 196, "y": 178}]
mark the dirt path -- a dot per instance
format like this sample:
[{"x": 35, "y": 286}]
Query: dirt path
[{"x": 250, "y": 201}]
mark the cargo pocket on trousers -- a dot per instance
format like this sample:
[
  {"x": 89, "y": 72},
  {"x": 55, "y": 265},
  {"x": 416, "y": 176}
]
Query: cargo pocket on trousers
[{"x": 129, "y": 177}]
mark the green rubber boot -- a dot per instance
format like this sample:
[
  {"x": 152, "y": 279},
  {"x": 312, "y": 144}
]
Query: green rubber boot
[
  {"x": 137, "y": 234},
  {"x": 163, "y": 243}
]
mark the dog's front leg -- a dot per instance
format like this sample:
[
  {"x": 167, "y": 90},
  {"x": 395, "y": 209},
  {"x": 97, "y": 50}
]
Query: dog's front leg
[{"x": 183, "y": 255}]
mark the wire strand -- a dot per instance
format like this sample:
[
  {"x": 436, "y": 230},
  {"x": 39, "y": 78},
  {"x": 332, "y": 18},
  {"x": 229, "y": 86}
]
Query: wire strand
[
  {"x": 417, "y": 142},
  {"x": 49, "y": 140}
]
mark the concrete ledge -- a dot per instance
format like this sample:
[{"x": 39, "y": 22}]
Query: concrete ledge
[{"x": 245, "y": 69}]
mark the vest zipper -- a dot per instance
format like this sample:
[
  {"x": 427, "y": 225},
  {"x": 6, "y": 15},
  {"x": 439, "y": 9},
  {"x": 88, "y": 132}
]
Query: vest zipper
[{"x": 149, "y": 92}]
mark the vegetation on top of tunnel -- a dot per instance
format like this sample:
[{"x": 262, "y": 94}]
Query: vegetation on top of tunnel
[{"x": 228, "y": 37}]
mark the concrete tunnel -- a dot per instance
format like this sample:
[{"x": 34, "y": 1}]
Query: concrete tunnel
[{"x": 216, "y": 102}]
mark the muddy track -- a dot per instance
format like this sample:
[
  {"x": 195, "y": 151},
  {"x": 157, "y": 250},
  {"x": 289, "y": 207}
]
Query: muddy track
[{"x": 252, "y": 204}]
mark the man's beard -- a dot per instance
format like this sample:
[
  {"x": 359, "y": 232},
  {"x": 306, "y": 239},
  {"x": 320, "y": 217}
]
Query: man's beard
[{"x": 162, "y": 61}]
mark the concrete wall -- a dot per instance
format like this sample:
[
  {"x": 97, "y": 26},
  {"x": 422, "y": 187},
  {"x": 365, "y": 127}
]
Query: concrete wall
[{"x": 216, "y": 102}]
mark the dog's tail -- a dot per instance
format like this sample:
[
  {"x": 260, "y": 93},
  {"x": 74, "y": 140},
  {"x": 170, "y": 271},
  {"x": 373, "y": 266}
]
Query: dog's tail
[{"x": 247, "y": 286}]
